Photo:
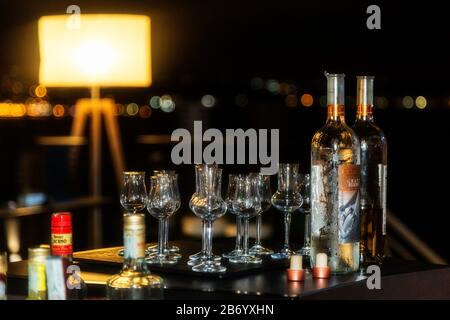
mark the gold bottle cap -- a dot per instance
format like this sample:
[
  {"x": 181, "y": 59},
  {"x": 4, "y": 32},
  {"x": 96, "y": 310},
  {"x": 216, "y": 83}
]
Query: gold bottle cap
[{"x": 134, "y": 220}]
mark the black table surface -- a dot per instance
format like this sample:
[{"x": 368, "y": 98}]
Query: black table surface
[{"x": 399, "y": 280}]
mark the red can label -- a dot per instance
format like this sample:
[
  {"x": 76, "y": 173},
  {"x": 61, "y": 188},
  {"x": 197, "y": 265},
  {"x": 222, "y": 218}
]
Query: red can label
[{"x": 62, "y": 243}]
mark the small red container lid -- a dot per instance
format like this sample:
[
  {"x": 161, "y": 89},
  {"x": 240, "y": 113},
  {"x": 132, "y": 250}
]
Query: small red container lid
[{"x": 61, "y": 219}]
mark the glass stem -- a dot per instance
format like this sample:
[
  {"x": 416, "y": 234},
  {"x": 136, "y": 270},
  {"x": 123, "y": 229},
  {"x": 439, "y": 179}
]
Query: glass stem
[
  {"x": 238, "y": 234},
  {"x": 204, "y": 245},
  {"x": 246, "y": 225},
  {"x": 166, "y": 233},
  {"x": 307, "y": 240},
  {"x": 258, "y": 230},
  {"x": 161, "y": 236},
  {"x": 209, "y": 239},
  {"x": 287, "y": 228}
]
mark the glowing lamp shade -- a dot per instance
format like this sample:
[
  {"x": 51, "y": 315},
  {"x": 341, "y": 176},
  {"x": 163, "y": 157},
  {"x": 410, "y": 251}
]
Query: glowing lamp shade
[{"x": 108, "y": 50}]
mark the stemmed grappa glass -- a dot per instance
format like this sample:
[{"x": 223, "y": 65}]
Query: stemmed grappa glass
[
  {"x": 133, "y": 196},
  {"x": 197, "y": 258},
  {"x": 287, "y": 199},
  {"x": 167, "y": 246},
  {"x": 246, "y": 205},
  {"x": 304, "y": 184},
  {"x": 162, "y": 203},
  {"x": 209, "y": 206},
  {"x": 265, "y": 196},
  {"x": 230, "y": 197}
]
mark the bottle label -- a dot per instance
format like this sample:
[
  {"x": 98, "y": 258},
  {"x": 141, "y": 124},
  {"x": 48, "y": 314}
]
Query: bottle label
[
  {"x": 36, "y": 276},
  {"x": 2, "y": 290},
  {"x": 382, "y": 176},
  {"x": 61, "y": 243},
  {"x": 56, "y": 285},
  {"x": 134, "y": 243},
  {"x": 348, "y": 203}
]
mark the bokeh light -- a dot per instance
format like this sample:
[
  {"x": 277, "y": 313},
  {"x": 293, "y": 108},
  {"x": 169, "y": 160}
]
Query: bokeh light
[
  {"x": 273, "y": 86},
  {"x": 421, "y": 102},
  {"x": 59, "y": 111},
  {"x": 132, "y": 109},
  {"x": 291, "y": 100},
  {"x": 284, "y": 88},
  {"x": 145, "y": 112},
  {"x": 167, "y": 104},
  {"x": 408, "y": 102},
  {"x": 381, "y": 102},
  {"x": 119, "y": 109},
  {"x": 307, "y": 100},
  {"x": 40, "y": 91},
  {"x": 241, "y": 100},
  {"x": 155, "y": 102},
  {"x": 208, "y": 101}
]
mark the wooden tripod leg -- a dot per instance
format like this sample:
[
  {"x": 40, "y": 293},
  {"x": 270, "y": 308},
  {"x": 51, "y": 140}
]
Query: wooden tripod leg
[
  {"x": 115, "y": 141},
  {"x": 78, "y": 126}
]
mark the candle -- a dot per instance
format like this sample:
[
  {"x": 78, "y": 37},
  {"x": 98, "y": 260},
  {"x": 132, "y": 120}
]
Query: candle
[
  {"x": 296, "y": 262},
  {"x": 321, "y": 260}
]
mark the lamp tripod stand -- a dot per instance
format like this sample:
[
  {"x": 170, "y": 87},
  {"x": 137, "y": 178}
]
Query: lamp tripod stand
[{"x": 97, "y": 108}]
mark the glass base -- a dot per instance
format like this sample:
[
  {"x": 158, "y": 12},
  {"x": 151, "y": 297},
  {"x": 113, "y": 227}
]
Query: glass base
[
  {"x": 247, "y": 258},
  {"x": 200, "y": 257},
  {"x": 209, "y": 266},
  {"x": 259, "y": 250},
  {"x": 231, "y": 254},
  {"x": 283, "y": 254},
  {"x": 161, "y": 259},
  {"x": 134, "y": 285},
  {"x": 154, "y": 249},
  {"x": 304, "y": 251}
]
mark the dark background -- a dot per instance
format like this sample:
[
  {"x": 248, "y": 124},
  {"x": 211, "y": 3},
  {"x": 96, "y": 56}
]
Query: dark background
[{"x": 215, "y": 47}]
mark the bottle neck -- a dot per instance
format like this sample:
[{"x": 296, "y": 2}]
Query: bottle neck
[
  {"x": 134, "y": 243},
  {"x": 364, "y": 98},
  {"x": 364, "y": 112},
  {"x": 336, "y": 113}
]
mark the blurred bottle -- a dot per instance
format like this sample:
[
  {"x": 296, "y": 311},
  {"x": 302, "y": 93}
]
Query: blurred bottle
[
  {"x": 373, "y": 175},
  {"x": 37, "y": 282},
  {"x": 3, "y": 271}
]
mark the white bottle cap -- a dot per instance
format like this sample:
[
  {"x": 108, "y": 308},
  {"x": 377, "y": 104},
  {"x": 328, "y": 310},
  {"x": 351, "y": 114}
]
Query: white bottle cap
[
  {"x": 321, "y": 260},
  {"x": 296, "y": 262}
]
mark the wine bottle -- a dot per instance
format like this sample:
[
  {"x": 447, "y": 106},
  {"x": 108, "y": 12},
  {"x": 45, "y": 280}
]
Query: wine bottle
[
  {"x": 134, "y": 282},
  {"x": 373, "y": 175},
  {"x": 335, "y": 178}
]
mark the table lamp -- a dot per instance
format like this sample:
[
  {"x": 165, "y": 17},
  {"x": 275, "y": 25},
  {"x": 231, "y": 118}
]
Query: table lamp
[{"x": 101, "y": 50}]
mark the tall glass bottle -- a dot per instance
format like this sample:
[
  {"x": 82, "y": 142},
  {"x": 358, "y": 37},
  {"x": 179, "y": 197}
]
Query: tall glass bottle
[
  {"x": 335, "y": 175},
  {"x": 373, "y": 175},
  {"x": 134, "y": 282}
]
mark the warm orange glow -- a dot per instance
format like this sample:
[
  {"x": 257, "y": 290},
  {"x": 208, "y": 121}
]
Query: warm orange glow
[
  {"x": 58, "y": 111},
  {"x": 105, "y": 50},
  {"x": 12, "y": 110},
  {"x": 291, "y": 100},
  {"x": 307, "y": 100},
  {"x": 145, "y": 112},
  {"x": 40, "y": 91}
]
